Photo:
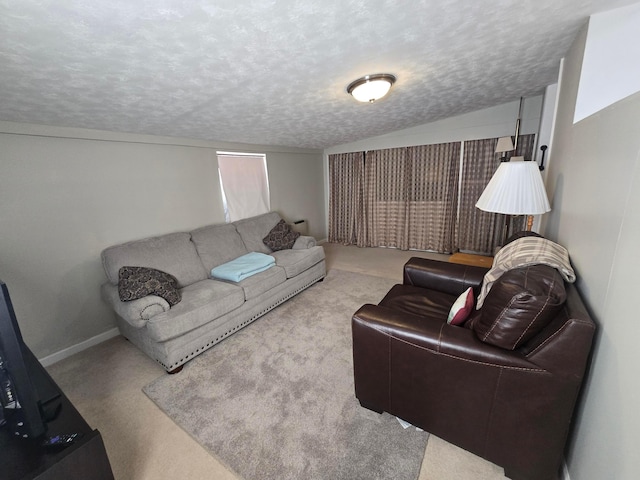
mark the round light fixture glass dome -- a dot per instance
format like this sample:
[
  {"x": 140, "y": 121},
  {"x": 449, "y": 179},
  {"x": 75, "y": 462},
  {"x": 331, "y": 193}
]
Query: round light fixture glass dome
[{"x": 371, "y": 87}]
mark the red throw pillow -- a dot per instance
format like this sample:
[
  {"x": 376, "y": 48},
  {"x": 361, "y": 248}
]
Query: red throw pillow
[{"x": 462, "y": 308}]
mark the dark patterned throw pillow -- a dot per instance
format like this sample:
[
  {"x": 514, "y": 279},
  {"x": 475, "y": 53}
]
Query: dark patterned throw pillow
[
  {"x": 281, "y": 237},
  {"x": 138, "y": 282}
]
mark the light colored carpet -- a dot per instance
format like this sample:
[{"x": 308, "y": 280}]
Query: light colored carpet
[
  {"x": 276, "y": 400},
  {"x": 105, "y": 384}
]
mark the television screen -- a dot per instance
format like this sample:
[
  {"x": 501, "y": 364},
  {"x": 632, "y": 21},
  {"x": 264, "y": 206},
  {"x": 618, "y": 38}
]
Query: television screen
[{"x": 28, "y": 396}]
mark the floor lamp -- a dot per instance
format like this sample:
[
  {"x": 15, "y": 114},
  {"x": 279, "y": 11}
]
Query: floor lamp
[{"x": 515, "y": 189}]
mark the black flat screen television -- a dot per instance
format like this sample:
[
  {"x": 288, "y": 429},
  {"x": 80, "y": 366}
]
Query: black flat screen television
[{"x": 28, "y": 396}]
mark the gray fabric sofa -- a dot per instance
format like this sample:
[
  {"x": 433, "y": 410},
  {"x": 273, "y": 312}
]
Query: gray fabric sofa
[{"x": 210, "y": 310}]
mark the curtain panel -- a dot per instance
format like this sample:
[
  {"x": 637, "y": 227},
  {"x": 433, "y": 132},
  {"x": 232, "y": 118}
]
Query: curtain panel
[
  {"x": 410, "y": 197},
  {"x": 434, "y": 196},
  {"x": 346, "y": 178},
  {"x": 418, "y": 197},
  {"x": 386, "y": 181},
  {"x": 404, "y": 198},
  {"x": 478, "y": 231}
]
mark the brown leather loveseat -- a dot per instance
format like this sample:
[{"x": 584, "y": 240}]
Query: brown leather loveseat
[{"x": 503, "y": 385}]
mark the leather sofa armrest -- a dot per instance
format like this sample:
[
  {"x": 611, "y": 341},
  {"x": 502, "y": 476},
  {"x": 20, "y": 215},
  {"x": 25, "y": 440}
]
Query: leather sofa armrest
[
  {"x": 135, "y": 312},
  {"x": 438, "y": 337},
  {"x": 451, "y": 278},
  {"x": 303, "y": 242}
]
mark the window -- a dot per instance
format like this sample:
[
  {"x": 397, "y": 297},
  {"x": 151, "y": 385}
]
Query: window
[{"x": 244, "y": 184}]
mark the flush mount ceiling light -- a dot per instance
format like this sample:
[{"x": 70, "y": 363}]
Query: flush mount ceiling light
[{"x": 371, "y": 87}]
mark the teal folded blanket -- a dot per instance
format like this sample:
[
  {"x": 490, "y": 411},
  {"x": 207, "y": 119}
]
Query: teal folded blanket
[{"x": 243, "y": 267}]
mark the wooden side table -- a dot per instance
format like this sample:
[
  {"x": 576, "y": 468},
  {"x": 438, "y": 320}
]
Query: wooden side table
[{"x": 471, "y": 259}]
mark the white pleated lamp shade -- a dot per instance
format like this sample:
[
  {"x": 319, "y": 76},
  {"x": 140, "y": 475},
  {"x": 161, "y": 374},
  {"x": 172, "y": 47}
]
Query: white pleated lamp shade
[
  {"x": 505, "y": 144},
  {"x": 515, "y": 189}
]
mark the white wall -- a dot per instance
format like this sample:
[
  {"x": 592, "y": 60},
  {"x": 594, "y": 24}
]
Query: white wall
[
  {"x": 610, "y": 67},
  {"x": 296, "y": 189},
  {"x": 499, "y": 121},
  {"x": 66, "y": 194},
  {"x": 594, "y": 182}
]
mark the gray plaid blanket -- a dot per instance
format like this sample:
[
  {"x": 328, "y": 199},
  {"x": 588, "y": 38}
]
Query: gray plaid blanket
[{"x": 527, "y": 251}]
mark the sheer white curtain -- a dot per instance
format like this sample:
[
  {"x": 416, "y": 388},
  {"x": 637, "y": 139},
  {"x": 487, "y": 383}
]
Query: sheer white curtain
[{"x": 245, "y": 184}]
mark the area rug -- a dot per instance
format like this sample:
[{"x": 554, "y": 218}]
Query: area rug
[{"x": 276, "y": 399}]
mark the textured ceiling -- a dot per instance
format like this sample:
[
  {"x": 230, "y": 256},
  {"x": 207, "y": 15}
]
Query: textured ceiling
[{"x": 274, "y": 72}]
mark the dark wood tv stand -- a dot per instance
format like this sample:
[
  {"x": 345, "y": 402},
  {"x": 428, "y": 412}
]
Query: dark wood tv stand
[{"x": 85, "y": 459}]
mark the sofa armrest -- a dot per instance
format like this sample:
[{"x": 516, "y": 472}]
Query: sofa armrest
[
  {"x": 451, "y": 278},
  {"x": 440, "y": 338},
  {"x": 303, "y": 242},
  {"x": 135, "y": 312}
]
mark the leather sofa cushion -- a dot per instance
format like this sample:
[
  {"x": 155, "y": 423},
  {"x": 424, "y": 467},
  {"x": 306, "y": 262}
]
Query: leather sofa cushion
[
  {"x": 419, "y": 301},
  {"x": 520, "y": 304},
  {"x": 521, "y": 234}
]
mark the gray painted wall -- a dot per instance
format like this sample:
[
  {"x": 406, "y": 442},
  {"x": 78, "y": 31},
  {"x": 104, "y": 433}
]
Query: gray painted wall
[
  {"x": 498, "y": 121},
  {"x": 594, "y": 186},
  {"x": 66, "y": 194}
]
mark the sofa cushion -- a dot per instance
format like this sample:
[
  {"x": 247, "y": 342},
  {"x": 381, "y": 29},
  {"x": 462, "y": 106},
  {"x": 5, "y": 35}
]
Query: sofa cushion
[
  {"x": 520, "y": 304},
  {"x": 419, "y": 301},
  {"x": 281, "y": 237},
  {"x": 259, "y": 283},
  {"x": 174, "y": 253},
  {"x": 201, "y": 303},
  {"x": 295, "y": 262},
  {"x": 137, "y": 282},
  {"x": 254, "y": 229},
  {"x": 218, "y": 244}
]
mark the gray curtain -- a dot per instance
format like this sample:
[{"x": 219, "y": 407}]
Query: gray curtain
[
  {"x": 478, "y": 231},
  {"x": 407, "y": 198},
  {"x": 385, "y": 198},
  {"x": 346, "y": 171},
  {"x": 410, "y": 197},
  {"x": 434, "y": 196}
]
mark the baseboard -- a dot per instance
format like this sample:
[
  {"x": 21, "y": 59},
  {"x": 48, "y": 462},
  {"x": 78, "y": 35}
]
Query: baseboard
[
  {"x": 67, "y": 352},
  {"x": 565, "y": 472}
]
